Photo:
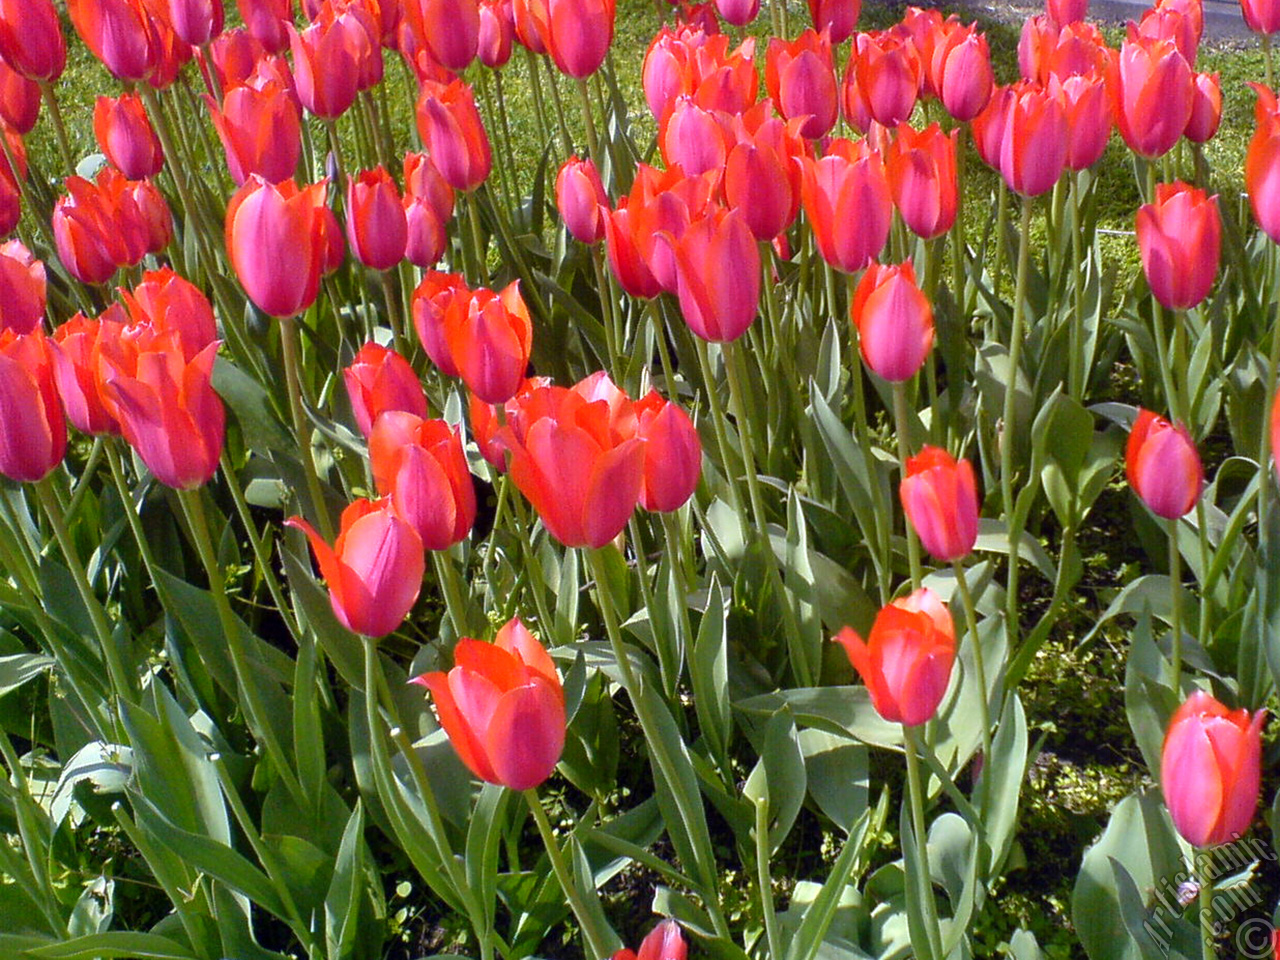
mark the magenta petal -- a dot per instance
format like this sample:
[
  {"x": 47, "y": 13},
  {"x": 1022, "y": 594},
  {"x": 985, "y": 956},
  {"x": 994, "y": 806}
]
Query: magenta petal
[{"x": 526, "y": 735}]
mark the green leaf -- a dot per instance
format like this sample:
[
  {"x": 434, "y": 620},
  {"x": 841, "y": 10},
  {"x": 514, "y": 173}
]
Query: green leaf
[
  {"x": 1007, "y": 769},
  {"x": 98, "y": 946},
  {"x": 488, "y": 822},
  {"x": 841, "y": 710},
  {"x": 779, "y": 776},
  {"x": 342, "y": 902},
  {"x": 251, "y": 404},
  {"x": 837, "y": 776},
  {"x": 709, "y": 674},
  {"x": 808, "y": 939},
  {"x": 18, "y": 669}
]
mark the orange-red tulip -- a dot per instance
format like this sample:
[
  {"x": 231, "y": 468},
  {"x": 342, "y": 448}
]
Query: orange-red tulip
[
  {"x": 124, "y": 134},
  {"x": 1262, "y": 163},
  {"x": 738, "y": 12},
  {"x": 485, "y": 425},
  {"x": 849, "y": 205},
  {"x": 22, "y": 288},
  {"x": 379, "y": 379},
  {"x": 497, "y": 33},
  {"x": 1030, "y": 124},
  {"x": 695, "y": 139},
  {"x": 428, "y": 205},
  {"x": 672, "y": 453},
  {"x": 267, "y": 21},
  {"x": 530, "y": 19},
  {"x": 98, "y": 228},
  {"x": 420, "y": 465},
  {"x": 31, "y": 38},
  {"x": 960, "y": 71},
  {"x": 922, "y": 175},
  {"x": 431, "y": 300},
  {"x": 1261, "y": 16},
  {"x": 1063, "y": 12},
  {"x": 578, "y": 34},
  {"x": 1163, "y": 466},
  {"x": 275, "y": 241},
  {"x": 894, "y": 321},
  {"x": 625, "y": 260},
  {"x": 326, "y": 66},
  {"x": 581, "y": 200},
  {"x": 33, "y": 434},
  {"x": 164, "y": 301},
  {"x": 196, "y": 22},
  {"x": 1181, "y": 21},
  {"x": 940, "y": 498},
  {"x": 907, "y": 658},
  {"x": 762, "y": 176},
  {"x": 19, "y": 100},
  {"x": 502, "y": 706},
  {"x": 453, "y": 134},
  {"x": 1088, "y": 110},
  {"x": 718, "y": 275},
  {"x": 1151, "y": 88},
  {"x": 1180, "y": 236},
  {"x": 373, "y": 570},
  {"x": 801, "y": 80},
  {"x": 837, "y": 17},
  {"x": 881, "y": 80},
  {"x": 488, "y": 337},
  {"x": 377, "y": 228},
  {"x": 449, "y": 29},
  {"x": 1210, "y": 770},
  {"x": 1206, "y": 108},
  {"x": 120, "y": 33},
  {"x": 77, "y": 369},
  {"x": 260, "y": 129}
]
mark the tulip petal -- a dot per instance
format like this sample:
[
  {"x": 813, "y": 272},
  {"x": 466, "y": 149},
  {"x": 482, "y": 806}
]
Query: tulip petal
[
  {"x": 1192, "y": 782},
  {"x": 526, "y": 735},
  {"x": 465, "y": 742}
]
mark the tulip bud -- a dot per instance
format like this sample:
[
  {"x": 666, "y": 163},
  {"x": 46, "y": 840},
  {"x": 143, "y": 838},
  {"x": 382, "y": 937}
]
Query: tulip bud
[
  {"x": 450, "y": 30},
  {"x": 120, "y": 33},
  {"x": 1180, "y": 236},
  {"x": 124, "y": 134},
  {"x": 489, "y": 336},
  {"x": 1210, "y": 770},
  {"x": 1262, "y": 163},
  {"x": 374, "y": 569},
  {"x": 326, "y": 66},
  {"x": 907, "y": 658},
  {"x": 420, "y": 465},
  {"x": 1088, "y": 110},
  {"x": 672, "y": 453},
  {"x": 76, "y": 347},
  {"x": 960, "y": 71},
  {"x": 762, "y": 176},
  {"x": 379, "y": 379},
  {"x": 267, "y": 21},
  {"x": 628, "y": 266},
  {"x": 502, "y": 706},
  {"x": 738, "y": 12},
  {"x": 497, "y": 33},
  {"x": 1206, "y": 108},
  {"x": 1063, "y": 12},
  {"x": 260, "y": 129},
  {"x": 578, "y": 34},
  {"x": 894, "y": 321},
  {"x": 484, "y": 421},
  {"x": 530, "y": 19},
  {"x": 33, "y": 436},
  {"x": 196, "y": 22},
  {"x": 581, "y": 200},
  {"x": 922, "y": 176},
  {"x": 1151, "y": 90},
  {"x": 940, "y": 498},
  {"x": 882, "y": 80},
  {"x": 431, "y": 301},
  {"x": 22, "y": 288},
  {"x": 454, "y": 135},
  {"x": 1261, "y": 16},
  {"x": 1033, "y": 143},
  {"x": 837, "y": 17},
  {"x": 718, "y": 272},
  {"x": 164, "y": 301},
  {"x": 274, "y": 241},
  {"x": 1163, "y": 466},
  {"x": 801, "y": 80},
  {"x": 377, "y": 229},
  {"x": 19, "y": 100},
  {"x": 31, "y": 40},
  {"x": 847, "y": 200}
]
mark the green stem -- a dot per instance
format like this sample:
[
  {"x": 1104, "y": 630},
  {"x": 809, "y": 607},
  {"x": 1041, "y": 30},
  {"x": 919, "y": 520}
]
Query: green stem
[
  {"x": 394, "y": 312},
  {"x": 1264, "y": 454},
  {"x": 1266, "y": 60},
  {"x": 588, "y": 121},
  {"x": 335, "y": 147},
  {"x": 722, "y": 440},
  {"x": 29, "y": 832},
  {"x": 1075, "y": 350},
  {"x": 915, "y": 791},
  {"x": 1175, "y": 598},
  {"x": 1166, "y": 372},
  {"x": 979, "y": 668},
  {"x": 477, "y": 239},
  {"x": 293, "y": 384},
  {"x": 1009, "y": 431},
  {"x": 535, "y": 86},
  {"x": 513, "y": 193},
  {"x": 1208, "y": 935},
  {"x": 60, "y": 128},
  {"x": 654, "y": 313},
  {"x": 453, "y": 593},
  {"x": 1002, "y": 218},
  {"x": 566, "y": 141},
  {"x": 902, "y": 428},
  {"x": 668, "y": 654},
  {"x": 763, "y": 878}
]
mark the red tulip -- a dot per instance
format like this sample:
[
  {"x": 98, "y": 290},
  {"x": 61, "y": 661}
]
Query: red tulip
[
  {"x": 125, "y": 135},
  {"x": 377, "y": 229},
  {"x": 274, "y": 241},
  {"x": 1033, "y": 138},
  {"x": 428, "y": 205},
  {"x": 449, "y": 29},
  {"x": 326, "y": 66},
  {"x": 1275, "y": 431},
  {"x": 1261, "y": 16},
  {"x": 1206, "y": 108},
  {"x": 196, "y": 22},
  {"x": 420, "y": 465},
  {"x": 260, "y": 129},
  {"x": 1088, "y": 110},
  {"x": 738, "y": 12},
  {"x": 10, "y": 192},
  {"x": 152, "y": 211},
  {"x": 695, "y": 139},
  {"x": 1262, "y": 163},
  {"x": 578, "y": 34},
  {"x": 164, "y": 301},
  {"x": 267, "y": 21},
  {"x": 922, "y": 176},
  {"x": 1151, "y": 88},
  {"x": 485, "y": 425},
  {"x": 77, "y": 369},
  {"x": 373, "y": 570},
  {"x": 171, "y": 53},
  {"x": 33, "y": 435},
  {"x": 1163, "y": 466},
  {"x": 906, "y": 660},
  {"x": 1046, "y": 50},
  {"x": 718, "y": 273},
  {"x": 847, "y": 200},
  {"x": 664, "y": 942},
  {"x": 31, "y": 40},
  {"x": 660, "y": 207},
  {"x": 22, "y": 288},
  {"x": 1179, "y": 236},
  {"x": 497, "y": 32},
  {"x": 1181, "y": 21},
  {"x": 502, "y": 706},
  {"x": 488, "y": 336},
  {"x": 1210, "y": 770},
  {"x": 19, "y": 100},
  {"x": 530, "y": 19},
  {"x": 581, "y": 200},
  {"x": 882, "y": 79},
  {"x": 801, "y": 80},
  {"x": 431, "y": 301},
  {"x": 960, "y": 71},
  {"x": 940, "y": 498},
  {"x": 894, "y": 321},
  {"x": 837, "y": 17},
  {"x": 97, "y": 228},
  {"x": 578, "y": 463},
  {"x": 453, "y": 134},
  {"x": 120, "y": 33},
  {"x": 622, "y": 246},
  {"x": 1063, "y": 12},
  {"x": 672, "y": 453},
  {"x": 762, "y": 176},
  {"x": 379, "y": 379}
]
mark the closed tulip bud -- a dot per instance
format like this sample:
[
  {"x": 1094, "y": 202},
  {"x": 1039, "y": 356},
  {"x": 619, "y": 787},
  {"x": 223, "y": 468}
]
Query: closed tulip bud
[
  {"x": 420, "y": 465},
  {"x": 422, "y": 180},
  {"x": 31, "y": 40},
  {"x": 762, "y": 176},
  {"x": 19, "y": 100},
  {"x": 837, "y": 17},
  {"x": 449, "y": 29},
  {"x": 960, "y": 72},
  {"x": 89, "y": 243},
  {"x": 373, "y": 570},
  {"x": 120, "y": 33},
  {"x": 260, "y": 130},
  {"x": 125, "y": 135},
  {"x": 922, "y": 176},
  {"x": 577, "y": 462},
  {"x": 894, "y": 321},
  {"x": 1163, "y": 466},
  {"x": 196, "y": 22},
  {"x": 660, "y": 208},
  {"x": 1151, "y": 88},
  {"x": 155, "y": 220},
  {"x": 1063, "y": 12},
  {"x": 849, "y": 205},
  {"x": 801, "y": 80},
  {"x": 1088, "y": 110},
  {"x": 164, "y": 301},
  {"x": 738, "y": 12},
  {"x": 940, "y": 498},
  {"x": 1261, "y": 16},
  {"x": 502, "y": 706},
  {"x": 267, "y": 21},
  {"x": 326, "y": 67},
  {"x": 693, "y": 138},
  {"x": 1179, "y": 236},
  {"x": 377, "y": 229},
  {"x": 882, "y": 79},
  {"x": 628, "y": 266},
  {"x": 664, "y": 73},
  {"x": 33, "y": 436},
  {"x": 1206, "y": 108},
  {"x": 1275, "y": 431},
  {"x": 1262, "y": 163},
  {"x": 275, "y": 242},
  {"x": 530, "y": 19},
  {"x": 581, "y": 200},
  {"x": 76, "y": 347},
  {"x": 664, "y": 942},
  {"x": 497, "y": 33},
  {"x": 431, "y": 301},
  {"x": 379, "y": 379},
  {"x": 454, "y": 135},
  {"x": 578, "y": 34},
  {"x": 718, "y": 272},
  {"x": 672, "y": 453},
  {"x": 171, "y": 54},
  {"x": 22, "y": 288},
  {"x": 488, "y": 336},
  {"x": 1034, "y": 139},
  {"x": 1210, "y": 770},
  {"x": 906, "y": 660},
  {"x": 1181, "y": 21}
]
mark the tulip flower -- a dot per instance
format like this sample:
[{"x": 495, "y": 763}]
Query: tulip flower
[
  {"x": 22, "y": 288},
  {"x": 267, "y": 21},
  {"x": 431, "y": 300},
  {"x": 1181, "y": 21},
  {"x": 33, "y": 438},
  {"x": 847, "y": 200},
  {"x": 762, "y": 175},
  {"x": 497, "y": 33},
  {"x": 665, "y": 941},
  {"x": 196, "y": 22},
  {"x": 960, "y": 72},
  {"x": 120, "y": 33},
  {"x": 19, "y": 100},
  {"x": 530, "y": 20},
  {"x": 922, "y": 176},
  {"x": 449, "y": 29},
  {"x": 882, "y": 79},
  {"x": 124, "y": 134},
  {"x": 485, "y": 425},
  {"x": 428, "y": 205},
  {"x": 373, "y": 570},
  {"x": 1046, "y": 49},
  {"x": 326, "y": 66},
  {"x": 1063, "y": 12},
  {"x": 837, "y": 17},
  {"x": 578, "y": 464},
  {"x": 260, "y": 129},
  {"x": 1210, "y": 770},
  {"x": 693, "y": 138},
  {"x": 379, "y": 379},
  {"x": 152, "y": 212},
  {"x": 1088, "y": 111},
  {"x": 1206, "y": 108},
  {"x": 1034, "y": 141},
  {"x": 581, "y": 200},
  {"x": 274, "y": 242},
  {"x": 623, "y": 249},
  {"x": 1179, "y": 236},
  {"x": 420, "y": 465},
  {"x": 1151, "y": 88},
  {"x": 502, "y": 706},
  {"x": 906, "y": 660},
  {"x": 93, "y": 235},
  {"x": 1275, "y": 431},
  {"x": 453, "y": 133},
  {"x": 488, "y": 337},
  {"x": 377, "y": 228},
  {"x": 171, "y": 53},
  {"x": 578, "y": 34},
  {"x": 1261, "y": 16},
  {"x": 672, "y": 453},
  {"x": 76, "y": 347},
  {"x": 164, "y": 301},
  {"x": 801, "y": 81},
  {"x": 894, "y": 321},
  {"x": 940, "y": 498},
  {"x": 1262, "y": 163},
  {"x": 31, "y": 40},
  {"x": 1163, "y": 466},
  {"x": 718, "y": 273},
  {"x": 738, "y": 12}
]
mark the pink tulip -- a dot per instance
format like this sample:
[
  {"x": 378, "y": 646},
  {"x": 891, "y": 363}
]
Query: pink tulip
[
  {"x": 1180, "y": 236},
  {"x": 894, "y": 321}
]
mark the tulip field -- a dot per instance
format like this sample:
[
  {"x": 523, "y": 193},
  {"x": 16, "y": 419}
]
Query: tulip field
[{"x": 749, "y": 480}]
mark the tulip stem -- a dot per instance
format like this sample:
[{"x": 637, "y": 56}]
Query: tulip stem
[
  {"x": 289, "y": 344},
  {"x": 979, "y": 667},
  {"x": 722, "y": 441},
  {"x": 60, "y": 127},
  {"x": 535, "y": 86},
  {"x": 669, "y": 659},
  {"x": 608, "y": 306},
  {"x": 454, "y": 600},
  {"x": 1009, "y": 432},
  {"x": 1208, "y": 933},
  {"x": 1002, "y": 218},
  {"x": 924, "y": 879},
  {"x": 1267, "y": 67},
  {"x": 477, "y": 238},
  {"x": 660, "y": 338},
  {"x": 764, "y": 879},
  {"x": 1175, "y": 598},
  {"x": 1166, "y": 372},
  {"x": 1075, "y": 350},
  {"x": 588, "y": 121},
  {"x": 97, "y": 616},
  {"x": 177, "y": 171},
  {"x": 902, "y": 428},
  {"x": 255, "y": 710},
  {"x": 394, "y": 312},
  {"x": 566, "y": 141}
]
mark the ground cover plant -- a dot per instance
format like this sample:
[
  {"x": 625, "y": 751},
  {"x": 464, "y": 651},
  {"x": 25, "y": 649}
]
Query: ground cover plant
[{"x": 507, "y": 479}]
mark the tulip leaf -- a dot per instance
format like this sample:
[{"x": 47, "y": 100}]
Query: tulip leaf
[
  {"x": 836, "y": 771},
  {"x": 114, "y": 943},
  {"x": 954, "y": 857},
  {"x": 846, "y": 711},
  {"x": 709, "y": 674},
  {"x": 342, "y": 901},
  {"x": 821, "y": 911},
  {"x": 913, "y": 890},
  {"x": 1005, "y": 771},
  {"x": 18, "y": 669},
  {"x": 1023, "y": 946},
  {"x": 340, "y": 645},
  {"x": 1148, "y": 700},
  {"x": 251, "y": 404}
]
